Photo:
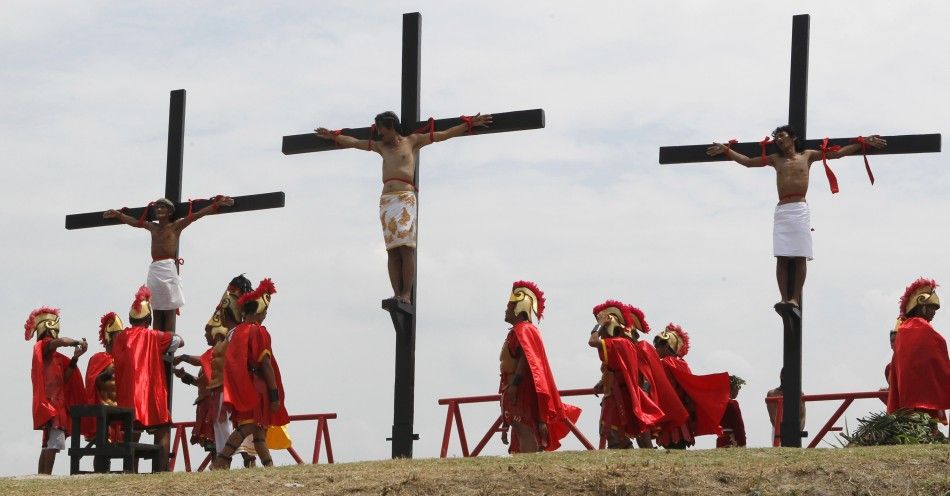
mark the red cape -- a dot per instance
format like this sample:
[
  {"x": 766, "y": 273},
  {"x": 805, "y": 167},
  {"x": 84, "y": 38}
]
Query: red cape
[
  {"x": 140, "y": 374},
  {"x": 920, "y": 369},
  {"x": 551, "y": 410},
  {"x": 638, "y": 413},
  {"x": 52, "y": 393},
  {"x": 248, "y": 346},
  {"x": 709, "y": 394},
  {"x": 662, "y": 392},
  {"x": 732, "y": 419},
  {"x": 205, "y": 360},
  {"x": 97, "y": 363}
]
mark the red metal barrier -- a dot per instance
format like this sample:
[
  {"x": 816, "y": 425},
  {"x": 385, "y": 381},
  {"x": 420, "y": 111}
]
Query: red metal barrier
[
  {"x": 454, "y": 413},
  {"x": 846, "y": 400},
  {"x": 180, "y": 441}
]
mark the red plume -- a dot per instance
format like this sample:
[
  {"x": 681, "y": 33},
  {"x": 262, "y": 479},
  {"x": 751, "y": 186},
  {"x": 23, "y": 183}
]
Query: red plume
[
  {"x": 684, "y": 338},
  {"x": 28, "y": 326},
  {"x": 104, "y": 322},
  {"x": 642, "y": 318},
  {"x": 143, "y": 294},
  {"x": 265, "y": 287},
  {"x": 914, "y": 286},
  {"x": 534, "y": 289}
]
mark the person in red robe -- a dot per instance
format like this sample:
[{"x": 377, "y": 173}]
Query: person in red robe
[
  {"x": 530, "y": 400},
  {"x": 705, "y": 396},
  {"x": 920, "y": 367},
  {"x": 206, "y": 408},
  {"x": 100, "y": 384},
  {"x": 138, "y": 352},
  {"x": 733, "y": 428},
  {"x": 253, "y": 390},
  {"x": 57, "y": 383},
  {"x": 626, "y": 410}
]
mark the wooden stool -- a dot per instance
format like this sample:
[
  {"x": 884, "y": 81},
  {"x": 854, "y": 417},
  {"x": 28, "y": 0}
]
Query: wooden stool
[{"x": 100, "y": 446}]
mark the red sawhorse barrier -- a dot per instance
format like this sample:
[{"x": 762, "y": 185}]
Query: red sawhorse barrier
[
  {"x": 454, "y": 413},
  {"x": 180, "y": 441},
  {"x": 846, "y": 400}
]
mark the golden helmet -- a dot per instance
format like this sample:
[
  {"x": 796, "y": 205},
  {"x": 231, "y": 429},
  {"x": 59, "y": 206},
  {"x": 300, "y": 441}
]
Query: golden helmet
[
  {"x": 141, "y": 307},
  {"x": 215, "y": 326},
  {"x": 528, "y": 298},
  {"x": 109, "y": 324},
  {"x": 920, "y": 292},
  {"x": 261, "y": 296},
  {"x": 676, "y": 338},
  {"x": 614, "y": 316},
  {"x": 41, "y": 321}
]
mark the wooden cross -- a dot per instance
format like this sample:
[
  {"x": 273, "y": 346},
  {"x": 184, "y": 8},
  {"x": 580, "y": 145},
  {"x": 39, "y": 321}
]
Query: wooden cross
[
  {"x": 403, "y": 315},
  {"x": 173, "y": 175},
  {"x": 797, "y": 113}
]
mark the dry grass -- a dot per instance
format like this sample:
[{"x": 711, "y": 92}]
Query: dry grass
[{"x": 923, "y": 470}]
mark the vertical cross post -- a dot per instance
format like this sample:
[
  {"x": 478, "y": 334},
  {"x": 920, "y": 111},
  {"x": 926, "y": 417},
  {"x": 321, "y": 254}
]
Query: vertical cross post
[
  {"x": 791, "y": 319},
  {"x": 405, "y": 325}
]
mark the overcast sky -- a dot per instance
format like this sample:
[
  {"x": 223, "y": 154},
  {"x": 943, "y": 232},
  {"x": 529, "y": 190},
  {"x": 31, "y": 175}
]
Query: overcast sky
[{"x": 581, "y": 207}]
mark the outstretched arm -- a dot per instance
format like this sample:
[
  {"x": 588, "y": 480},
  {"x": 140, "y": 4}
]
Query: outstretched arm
[
  {"x": 720, "y": 149},
  {"x": 126, "y": 219},
  {"x": 216, "y": 203},
  {"x": 422, "y": 139},
  {"x": 342, "y": 140},
  {"x": 189, "y": 359},
  {"x": 874, "y": 140}
]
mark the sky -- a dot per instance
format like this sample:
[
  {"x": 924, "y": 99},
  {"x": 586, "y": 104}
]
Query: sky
[{"x": 581, "y": 207}]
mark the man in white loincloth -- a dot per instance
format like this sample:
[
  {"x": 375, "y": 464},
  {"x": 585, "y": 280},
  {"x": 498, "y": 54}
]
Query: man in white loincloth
[
  {"x": 163, "y": 279},
  {"x": 397, "y": 205},
  {"x": 791, "y": 235}
]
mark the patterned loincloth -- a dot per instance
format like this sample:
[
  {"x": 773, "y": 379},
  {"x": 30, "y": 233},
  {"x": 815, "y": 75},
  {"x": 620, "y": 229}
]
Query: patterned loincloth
[{"x": 397, "y": 213}]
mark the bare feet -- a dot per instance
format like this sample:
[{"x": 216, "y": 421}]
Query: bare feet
[
  {"x": 405, "y": 299},
  {"x": 793, "y": 302}
]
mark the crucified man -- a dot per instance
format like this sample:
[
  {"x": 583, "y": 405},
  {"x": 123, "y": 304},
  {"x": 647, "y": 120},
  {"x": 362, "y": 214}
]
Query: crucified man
[
  {"x": 791, "y": 233},
  {"x": 397, "y": 204},
  {"x": 163, "y": 279}
]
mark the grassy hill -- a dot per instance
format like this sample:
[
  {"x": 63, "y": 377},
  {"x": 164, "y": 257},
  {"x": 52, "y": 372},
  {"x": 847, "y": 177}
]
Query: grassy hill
[{"x": 923, "y": 470}]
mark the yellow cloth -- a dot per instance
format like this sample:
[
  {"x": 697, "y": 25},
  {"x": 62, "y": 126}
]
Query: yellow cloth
[{"x": 278, "y": 438}]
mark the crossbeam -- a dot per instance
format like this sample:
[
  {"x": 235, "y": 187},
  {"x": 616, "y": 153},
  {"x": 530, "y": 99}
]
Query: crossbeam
[
  {"x": 244, "y": 203},
  {"x": 896, "y": 145},
  {"x": 519, "y": 120}
]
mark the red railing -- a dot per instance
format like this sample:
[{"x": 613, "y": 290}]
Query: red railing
[
  {"x": 846, "y": 400},
  {"x": 454, "y": 413},
  {"x": 180, "y": 441}
]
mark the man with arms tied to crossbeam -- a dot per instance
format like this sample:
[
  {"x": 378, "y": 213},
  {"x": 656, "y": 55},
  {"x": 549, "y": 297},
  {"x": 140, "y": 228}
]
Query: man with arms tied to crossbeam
[
  {"x": 791, "y": 235},
  {"x": 397, "y": 204},
  {"x": 163, "y": 280}
]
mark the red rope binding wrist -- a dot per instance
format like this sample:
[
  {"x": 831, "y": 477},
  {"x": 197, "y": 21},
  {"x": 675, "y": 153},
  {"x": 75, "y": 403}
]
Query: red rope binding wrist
[
  {"x": 864, "y": 151},
  {"x": 467, "y": 119},
  {"x": 216, "y": 203},
  {"x": 141, "y": 221},
  {"x": 428, "y": 127},
  {"x": 832, "y": 180},
  {"x": 335, "y": 134},
  {"x": 728, "y": 146},
  {"x": 765, "y": 144},
  {"x": 372, "y": 133}
]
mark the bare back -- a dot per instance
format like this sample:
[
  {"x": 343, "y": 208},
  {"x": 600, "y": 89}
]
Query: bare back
[
  {"x": 791, "y": 175},
  {"x": 399, "y": 163}
]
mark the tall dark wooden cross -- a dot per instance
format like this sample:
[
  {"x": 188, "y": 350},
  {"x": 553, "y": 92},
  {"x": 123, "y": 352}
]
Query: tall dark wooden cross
[
  {"x": 404, "y": 316},
  {"x": 173, "y": 178},
  {"x": 797, "y": 112}
]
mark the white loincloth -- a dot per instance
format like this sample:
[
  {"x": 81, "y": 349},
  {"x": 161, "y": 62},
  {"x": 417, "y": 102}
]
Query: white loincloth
[
  {"x": 791, "y": 231},
  {"x": 165, "y": 284},
  {"x": 397, "y": 213}
]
